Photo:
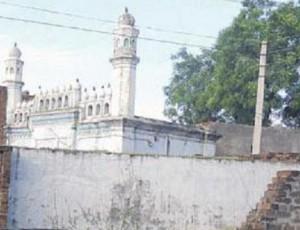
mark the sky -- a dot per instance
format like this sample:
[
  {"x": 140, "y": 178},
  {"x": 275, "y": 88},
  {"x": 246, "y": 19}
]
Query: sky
[{"x": 54, "y": 56}]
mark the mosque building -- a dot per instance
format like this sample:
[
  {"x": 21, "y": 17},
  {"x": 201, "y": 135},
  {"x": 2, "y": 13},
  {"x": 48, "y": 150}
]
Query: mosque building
[{"x": 72, "y": 117}]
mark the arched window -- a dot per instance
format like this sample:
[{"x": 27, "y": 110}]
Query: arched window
[
  {"x": 66, "y": 103},
  {"x": 41, "y": 104},
  {"x": 98, "y": 109},
  {"x": 11, "y": 70},
  {"x": 126, "y": 42},
  {"x": 90, "y": 110},
  {"x": 106, "y": 108},
  {"x": 18, "y": 70},
  {"x": 16, "y": 118},
  {"x": 132, "y": 42},
  {"x": 6, "y": 70},
  {"x": 47, "y": 104},
  {"x": 59, "y": 102},
  {"x": 53, "y": 103},
  {"x": 21, "y": 117}
]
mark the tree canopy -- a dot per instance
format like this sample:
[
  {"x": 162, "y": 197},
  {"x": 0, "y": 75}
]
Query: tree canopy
[{"x": 221, "y": 83}]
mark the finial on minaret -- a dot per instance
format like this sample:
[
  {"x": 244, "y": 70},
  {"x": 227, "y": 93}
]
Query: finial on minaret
[{"x": 126, "y": 10}]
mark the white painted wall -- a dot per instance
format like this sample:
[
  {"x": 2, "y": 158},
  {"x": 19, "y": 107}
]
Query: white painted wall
[
  {"x": 155, "y": 143},
  {"x": 62, "y": 131},
  {"x": 52, "y": 189}
]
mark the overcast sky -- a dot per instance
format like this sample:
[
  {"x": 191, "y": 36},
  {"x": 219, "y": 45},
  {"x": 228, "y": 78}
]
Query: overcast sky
[{"x": 56, "y": 56}]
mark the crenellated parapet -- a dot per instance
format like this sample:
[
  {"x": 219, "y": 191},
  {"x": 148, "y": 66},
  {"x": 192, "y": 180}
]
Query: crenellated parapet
[
  {"x": 96, "y": 103},
  {"x": 22, "y": 113},
  {"x": 91, "y": 104},
  {"x": 60, "y": 98}
]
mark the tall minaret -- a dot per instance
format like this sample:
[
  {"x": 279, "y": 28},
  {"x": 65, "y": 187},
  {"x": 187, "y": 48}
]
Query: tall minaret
[
  {"x": 124, "y": 63},
  {"x": 13, "y": 66}
]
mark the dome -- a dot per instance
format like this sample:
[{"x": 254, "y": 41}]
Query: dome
[
  {"x": 126, "y": 18},
  {"x": 15, "y": 52}
]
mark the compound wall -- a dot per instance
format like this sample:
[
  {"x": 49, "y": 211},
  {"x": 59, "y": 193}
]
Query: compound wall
[{"x": 80, "y": 190}]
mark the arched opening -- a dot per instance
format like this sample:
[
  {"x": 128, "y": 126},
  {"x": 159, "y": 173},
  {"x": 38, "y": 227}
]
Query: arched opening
[
  {"x": 66, "y": 103},
  {"x": 26, "y": 117},
  {"x": 6, "y": 70},
  {"x": 11, "y": 70},
  {"x": 126, "y": 42},
  {"x": 132, "y": 42},
  {"x": 47, "y": 104},
  {"x": 90, "y": 110},
  {"x": 41, "y": 104},
  {"x": 53, "y": 103},
  {"x": 21, "y": 117},
  {"x": 98, "y": 109},
  {"x": 106, "y": 108},
  {"x": 59, "y": 102},
  {"x": 16, "y": 118}
]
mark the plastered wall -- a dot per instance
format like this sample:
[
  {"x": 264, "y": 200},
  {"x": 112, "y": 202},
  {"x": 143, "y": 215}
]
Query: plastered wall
[{"x": 56, "y": 189}]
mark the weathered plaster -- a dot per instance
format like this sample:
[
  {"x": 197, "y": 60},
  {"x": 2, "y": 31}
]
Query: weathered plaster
[{"x": 56, "y": 189}]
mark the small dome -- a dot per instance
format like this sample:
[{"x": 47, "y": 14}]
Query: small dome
[
  {"x": 126, "y": 18},
  {"x": 109, "y": 90},
  {"x": 94, "y": 93},
  {"x": 77, "y": 84},
  {"x": 86, "y": 94},
  {"x": 15, "y": 52},
  {"x": 102, "y": 91}
]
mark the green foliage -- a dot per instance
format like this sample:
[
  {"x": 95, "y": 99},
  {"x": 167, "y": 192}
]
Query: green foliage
[{"x": 221, "y": 83}]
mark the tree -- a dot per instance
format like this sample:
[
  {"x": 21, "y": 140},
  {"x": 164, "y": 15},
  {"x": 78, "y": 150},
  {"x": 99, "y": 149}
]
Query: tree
[{"x": 220, "y": 84}]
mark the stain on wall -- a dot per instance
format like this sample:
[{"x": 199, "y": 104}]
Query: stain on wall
[{"x": 81, "y": 190}]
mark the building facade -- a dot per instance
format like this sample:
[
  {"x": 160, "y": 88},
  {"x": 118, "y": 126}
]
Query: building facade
[{"x": 101, "y": 119}]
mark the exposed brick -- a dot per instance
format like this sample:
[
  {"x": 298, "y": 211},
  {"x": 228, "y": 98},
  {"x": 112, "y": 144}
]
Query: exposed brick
[
  {"x": 278, "y": 208},
  {"x": 3, "y": 100},
  {"x": 5, "y": 154}
]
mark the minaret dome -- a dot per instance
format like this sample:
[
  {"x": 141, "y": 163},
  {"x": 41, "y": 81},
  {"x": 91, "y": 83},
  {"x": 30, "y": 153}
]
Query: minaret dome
[
  {"x": 15, "y": 52},
  {"x": 126, "y": 18}
]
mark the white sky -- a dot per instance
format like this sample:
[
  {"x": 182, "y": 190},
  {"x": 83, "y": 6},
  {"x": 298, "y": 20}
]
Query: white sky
[{"x": 55, "y": 56}]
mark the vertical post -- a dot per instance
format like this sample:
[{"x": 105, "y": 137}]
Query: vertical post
[{"x": 256, "y": 141}]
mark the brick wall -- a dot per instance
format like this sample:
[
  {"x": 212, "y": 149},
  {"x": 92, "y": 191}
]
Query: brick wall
[
  {"x": 3, "y": 99},
  {"x": 5, "y": 154},
  {"x": 280, "y": 206}
]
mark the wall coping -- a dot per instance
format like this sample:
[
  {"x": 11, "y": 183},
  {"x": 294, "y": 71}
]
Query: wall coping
[{"x": 291, "y": 158}]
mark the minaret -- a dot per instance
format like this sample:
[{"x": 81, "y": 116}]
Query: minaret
[
  {"x": 13, "y": 66},
  {"x": 124, "y": 63}
]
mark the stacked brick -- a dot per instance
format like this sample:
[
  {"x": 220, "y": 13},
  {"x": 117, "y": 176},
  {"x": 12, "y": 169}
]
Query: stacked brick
[
  {"x": 280, "y": 206},
  {"x": 3, "y": 99},
  {"x": 5, "y": 153}
]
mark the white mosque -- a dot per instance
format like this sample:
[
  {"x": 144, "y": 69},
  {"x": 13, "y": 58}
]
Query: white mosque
[{"x": 101, "y": 119}]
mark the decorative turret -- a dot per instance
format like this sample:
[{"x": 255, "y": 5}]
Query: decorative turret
[
  {"x": 124, "y": 63},
  {"x": 13, "y": 66}
]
